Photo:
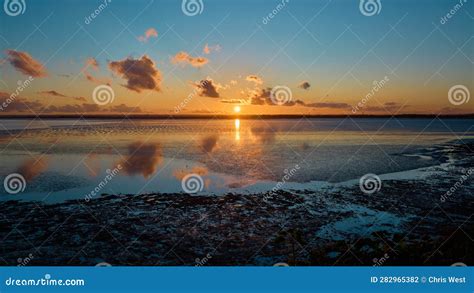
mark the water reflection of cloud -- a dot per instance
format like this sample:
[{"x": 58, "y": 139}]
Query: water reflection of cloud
[
  {"x": 32, "y": 168},
  {"x": 142, "y": 158},
  {"x": 264, "y": 135},
  {"x": 180, "y": 173},
  {"x": 208, "y": 143}
]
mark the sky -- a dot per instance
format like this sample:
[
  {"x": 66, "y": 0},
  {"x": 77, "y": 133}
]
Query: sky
[{"x": 265, "y": 56}]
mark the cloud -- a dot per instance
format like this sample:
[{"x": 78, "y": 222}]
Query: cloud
[
  {"x": 304, "y": 85},
  {"x": 77, "y": 109},
  {"x": 52, "y": 93},
  {"x": 32, "y": 168},
  {"x": 57, "y": 94},
  {"x": 254, "y": 78},
  {"x": 26, "y": 64},
  {"x": 208, "y": 49},
  {"x": 142, "y": 159},
  {"x": 17, "y": 104},
  {"x": 184, "y": 58},
  {"x": 122, "y": 108},
  {"x": 263, "y": 97},
  {"x": 94, "y": 65},
  {"x": 207, "y": 88},
  {"x": 151, "y": 32},
  {"x": 386, "y": 107},
  {"x": 233, "y": 101},
  {"x": 141, "y": 74},
  {"x": 328, "y": 105}
]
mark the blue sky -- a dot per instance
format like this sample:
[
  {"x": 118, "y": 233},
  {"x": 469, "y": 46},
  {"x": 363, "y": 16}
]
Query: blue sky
[{"x": 329, "y": 44}]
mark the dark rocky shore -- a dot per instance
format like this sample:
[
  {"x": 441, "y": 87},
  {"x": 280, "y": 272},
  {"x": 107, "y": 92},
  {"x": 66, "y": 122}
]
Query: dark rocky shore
[{"x": 407, "y": 222}]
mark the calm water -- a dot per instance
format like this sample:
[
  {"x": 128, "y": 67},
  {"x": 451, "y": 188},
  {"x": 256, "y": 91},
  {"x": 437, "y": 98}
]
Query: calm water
[{"x": 65, "y": 159}]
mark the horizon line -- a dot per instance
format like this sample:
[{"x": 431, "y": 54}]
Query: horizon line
[{"x": 229, "y": 116}]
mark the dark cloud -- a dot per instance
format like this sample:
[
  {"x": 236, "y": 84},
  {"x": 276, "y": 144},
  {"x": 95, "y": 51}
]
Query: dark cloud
[
  {"x": 304, "y": 85},
  {"x": 52, "y": 93},
  {"x": 184, "y": 58},
  {"x": 141, "y": 74},
  {"x": 26, "y": 64},
  {"x": 142, "y": 159},
  {"x": 122, "y": 108},
  {"x": 329, "y": 105},
  {"x": 207, "y": 88},
  {"x": 79, "y": 109},
  {"x": 254, "y": 78},
  {"x": 9, "y": 103},
  {"x": 57, "y": 94}
]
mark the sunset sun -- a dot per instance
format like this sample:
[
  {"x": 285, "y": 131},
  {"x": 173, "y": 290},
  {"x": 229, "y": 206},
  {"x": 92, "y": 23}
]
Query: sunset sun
[{"x": 237, "y": 109}]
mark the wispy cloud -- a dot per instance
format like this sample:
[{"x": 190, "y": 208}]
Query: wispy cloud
[
  {"x": 184, "y": 58},
  {"x": 26, "y": 64},
  {"x": 149, "y": 33},
  {"x": 254, "y": 78}
]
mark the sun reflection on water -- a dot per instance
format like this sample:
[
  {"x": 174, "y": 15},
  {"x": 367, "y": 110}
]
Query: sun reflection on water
[{"x": 237, "y": 129}]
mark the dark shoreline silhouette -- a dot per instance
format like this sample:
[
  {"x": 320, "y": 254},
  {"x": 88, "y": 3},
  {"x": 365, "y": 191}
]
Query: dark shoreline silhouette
[{"x": 220, "y": 116}]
